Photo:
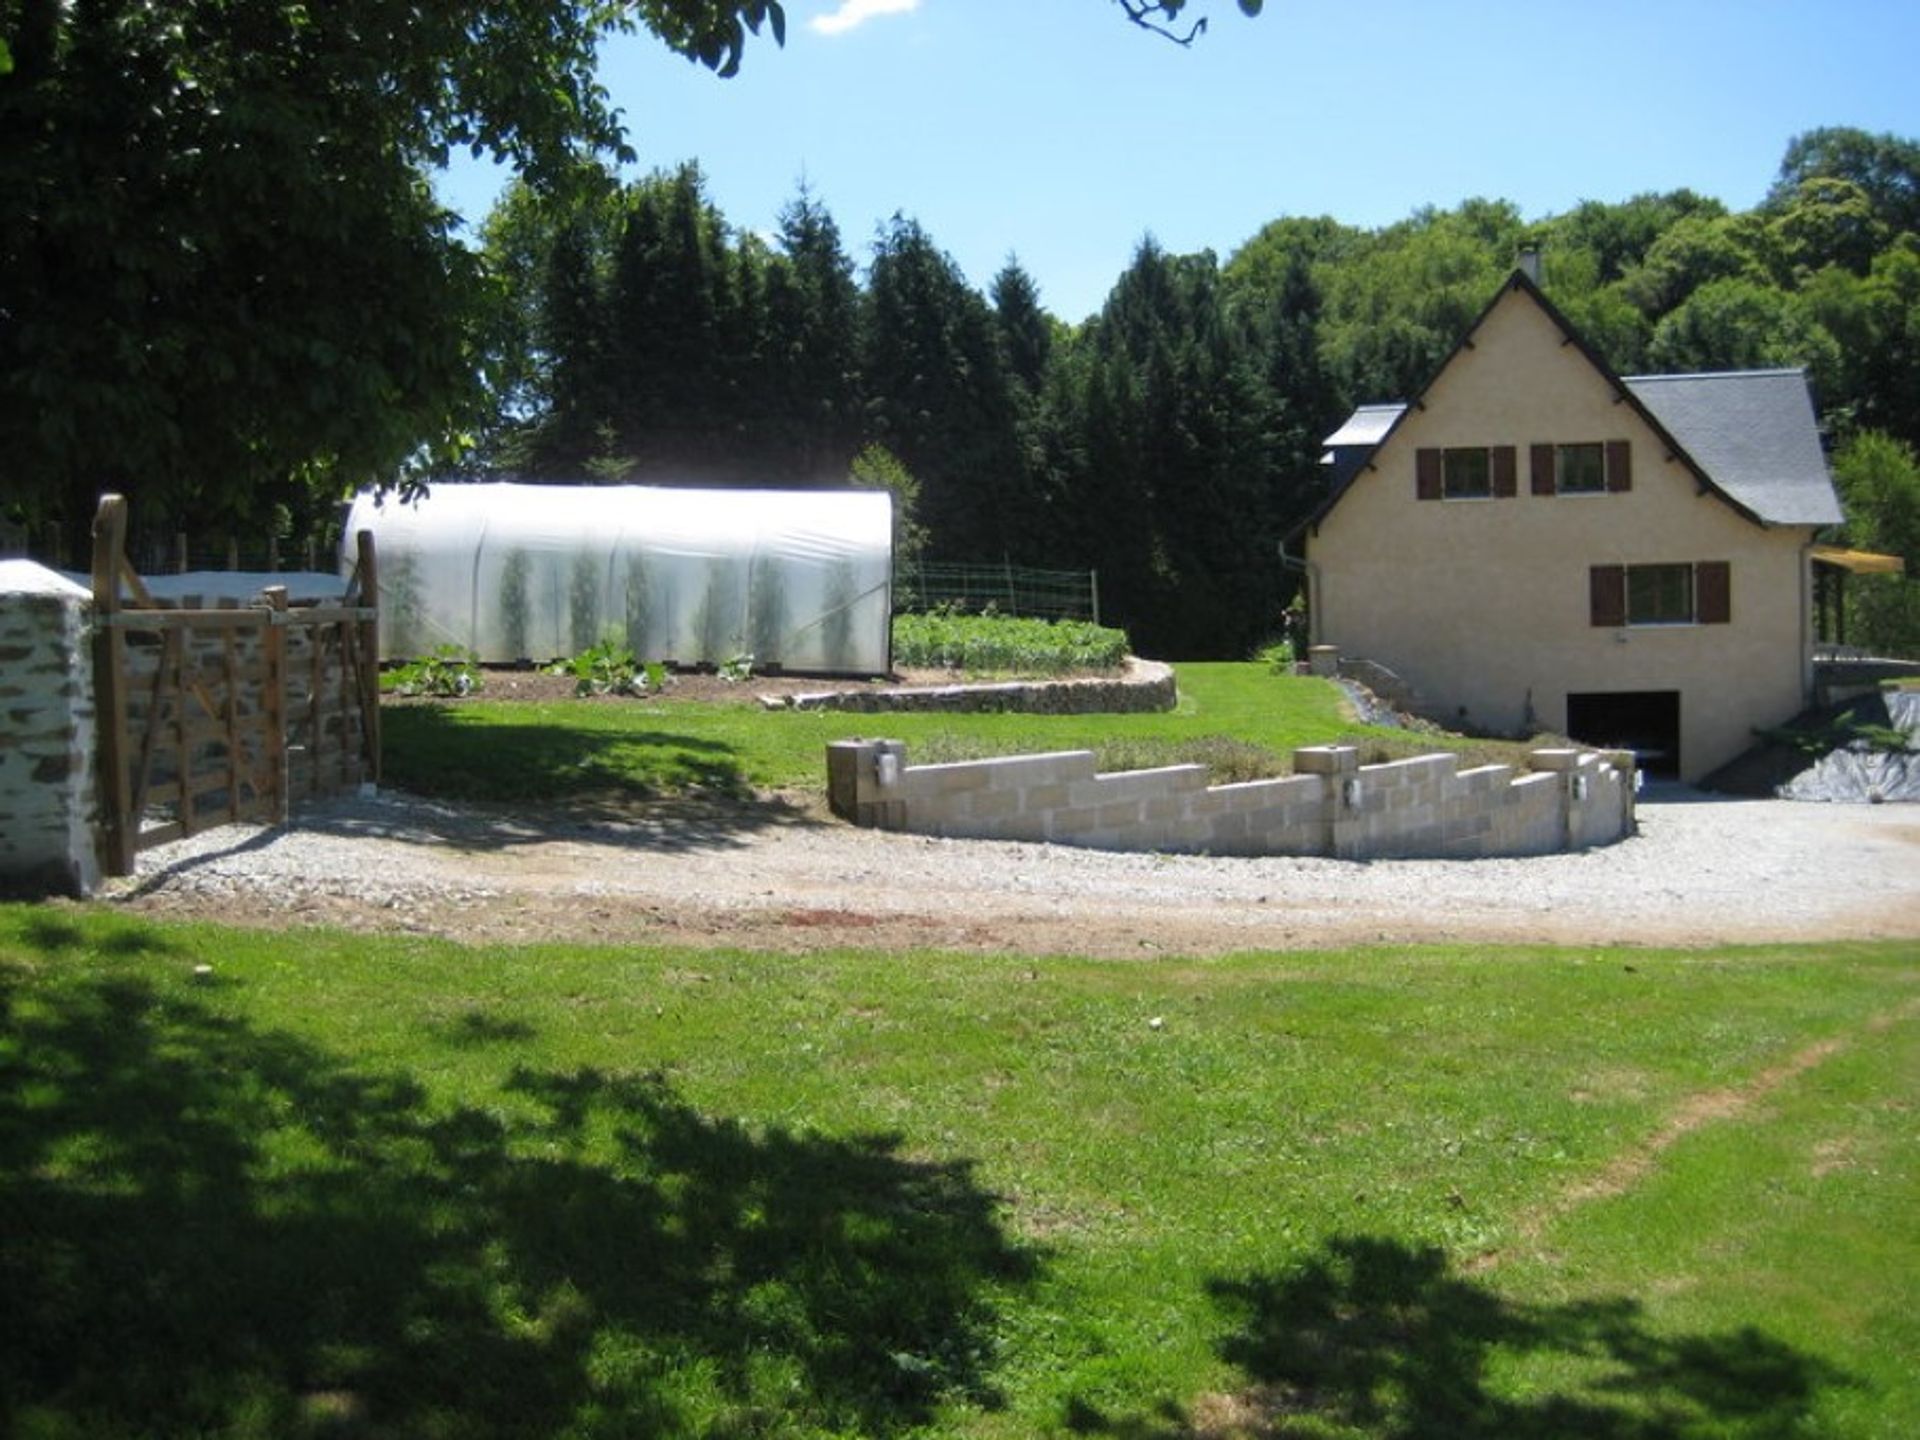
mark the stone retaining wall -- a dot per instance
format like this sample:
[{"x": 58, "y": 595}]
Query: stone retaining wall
[
  {"x": 47, "y": 733},
  {"x": 1146, "y": 686},
  {"x": 1424, "y": 808}
]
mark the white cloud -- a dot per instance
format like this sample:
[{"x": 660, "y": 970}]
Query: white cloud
[{"x": 858, "y": 12}]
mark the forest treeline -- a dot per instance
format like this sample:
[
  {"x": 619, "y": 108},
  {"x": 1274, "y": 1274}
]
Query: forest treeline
[{"x": 1171, "y": 441}]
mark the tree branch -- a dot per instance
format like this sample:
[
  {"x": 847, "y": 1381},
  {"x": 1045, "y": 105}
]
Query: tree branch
[{"x": 1157, "y": 16}]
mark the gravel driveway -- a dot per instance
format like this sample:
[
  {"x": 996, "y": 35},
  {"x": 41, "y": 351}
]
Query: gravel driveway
[{"x": 774, "y": 876}]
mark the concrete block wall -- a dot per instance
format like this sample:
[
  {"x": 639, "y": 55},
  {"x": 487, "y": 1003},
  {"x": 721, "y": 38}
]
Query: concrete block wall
[
  {"x": 47, "y": 732},
  {"x": 1423, "y": 808}
]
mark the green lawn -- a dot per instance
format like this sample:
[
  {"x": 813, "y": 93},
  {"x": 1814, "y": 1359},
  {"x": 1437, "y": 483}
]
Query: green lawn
[
  {"x": 505, "y": 751},
  {"x": 391, "y": 1187}
]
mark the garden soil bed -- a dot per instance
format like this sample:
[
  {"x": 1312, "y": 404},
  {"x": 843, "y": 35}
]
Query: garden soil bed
[{"x": 682, "y": 687}]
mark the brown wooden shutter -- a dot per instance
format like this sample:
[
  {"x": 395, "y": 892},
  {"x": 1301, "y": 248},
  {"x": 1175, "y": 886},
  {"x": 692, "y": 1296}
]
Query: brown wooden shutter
[
  {"x": 1619, "y": 466},
  {"x": 1542, "y": 469},
  {"x": 1505, "y": 472},
  {"x": 1426, "y": 474},
  {"x": 1713, "y": 592},
  {"x": 1607, "y": 586}
]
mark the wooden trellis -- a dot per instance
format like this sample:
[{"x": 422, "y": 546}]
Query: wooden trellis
[{"x": 215, "y": 714}]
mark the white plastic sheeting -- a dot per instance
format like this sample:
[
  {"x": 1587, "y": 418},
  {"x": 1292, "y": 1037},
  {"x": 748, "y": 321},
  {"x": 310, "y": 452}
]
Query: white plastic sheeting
[{"x": 799, "y": 579}]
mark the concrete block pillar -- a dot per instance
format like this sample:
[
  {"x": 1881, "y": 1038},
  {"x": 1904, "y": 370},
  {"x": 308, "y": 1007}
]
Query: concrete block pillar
[
  {"x": 47, "y": 733},
  {"x": 1324, "y": 661},
  {"x": 863, "y": 782},
  {"x": 1338, "y": 767}
]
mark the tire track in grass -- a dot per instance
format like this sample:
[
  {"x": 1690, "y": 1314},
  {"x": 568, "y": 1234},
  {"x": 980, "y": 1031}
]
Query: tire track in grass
[{"x": 1633, "y": 1165}]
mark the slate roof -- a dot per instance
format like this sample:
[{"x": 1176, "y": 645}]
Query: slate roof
[
  {"x": 1755, "y": 435},
  {"x": 1748, "y": 435}
]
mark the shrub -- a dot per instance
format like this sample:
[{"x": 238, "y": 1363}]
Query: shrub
[{"x": 1277, "y": 656}]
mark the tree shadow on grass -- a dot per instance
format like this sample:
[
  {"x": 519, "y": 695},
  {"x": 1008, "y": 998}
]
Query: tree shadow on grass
[
  {"x": 1371, "y": 1337},
  {"x": 206, "y": 1227},
  {"x": 429, "y": 749}
]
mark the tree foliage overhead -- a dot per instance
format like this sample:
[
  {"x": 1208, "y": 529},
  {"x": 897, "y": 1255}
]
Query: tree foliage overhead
[
  {"x": 226, "y": 287},
  {"x": 222, "y": 267}
]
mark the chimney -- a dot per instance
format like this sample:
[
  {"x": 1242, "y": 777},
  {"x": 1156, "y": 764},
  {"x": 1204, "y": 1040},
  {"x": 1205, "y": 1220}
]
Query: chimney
[{"x": 1529, "y": 262}]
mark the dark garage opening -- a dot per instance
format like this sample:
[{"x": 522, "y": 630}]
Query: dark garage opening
[{"x": 1646, "y": 722}]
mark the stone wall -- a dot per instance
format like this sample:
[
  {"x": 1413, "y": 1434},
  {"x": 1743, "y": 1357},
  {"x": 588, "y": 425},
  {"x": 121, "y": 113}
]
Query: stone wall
[
  {"x": 47, "y": 732},
  {"x": 1423, "y": 808}
]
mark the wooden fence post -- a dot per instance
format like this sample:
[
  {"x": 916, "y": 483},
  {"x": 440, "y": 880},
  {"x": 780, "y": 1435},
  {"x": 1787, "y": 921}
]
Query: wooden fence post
[
  {"x": 274, "y": 649},
  {"x": 119, "y": 824},
  {"x": 369, "y": 647}
]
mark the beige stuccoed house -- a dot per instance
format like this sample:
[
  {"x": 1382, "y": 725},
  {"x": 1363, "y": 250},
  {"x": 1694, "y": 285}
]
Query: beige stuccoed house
[{"x": 1536, "y": 543}]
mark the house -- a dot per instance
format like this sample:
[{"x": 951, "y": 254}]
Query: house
[{"x": 1536, "y": 543}]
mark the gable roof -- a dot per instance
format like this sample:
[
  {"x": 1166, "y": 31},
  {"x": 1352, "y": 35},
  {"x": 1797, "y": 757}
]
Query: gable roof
[{"x": 1748, "y": 436}]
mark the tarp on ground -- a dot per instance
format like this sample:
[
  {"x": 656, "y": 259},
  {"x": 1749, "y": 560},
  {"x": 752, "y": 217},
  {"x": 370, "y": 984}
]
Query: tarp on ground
[
  {"x": 797, "y": 579},
  {"x": 1864, "y": 774}
]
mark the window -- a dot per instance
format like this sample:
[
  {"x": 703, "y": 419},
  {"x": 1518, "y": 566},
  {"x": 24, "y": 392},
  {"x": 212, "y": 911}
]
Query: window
[
  {"x": 1580, "y": 469},
  {"x": 1591, "y": 467},
  {"x": 1465, "y": 472},
  {"x": 1659, "y": 594},
  {"x": 1686, "y": 594}
]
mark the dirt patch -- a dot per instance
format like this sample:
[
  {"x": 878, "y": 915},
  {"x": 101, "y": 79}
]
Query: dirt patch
[{"x": 682, "y": 687}]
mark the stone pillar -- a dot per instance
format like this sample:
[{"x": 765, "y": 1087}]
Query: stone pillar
[
  {"x": 1324, "y": 661},
  {"x": 47, "y": 733}
]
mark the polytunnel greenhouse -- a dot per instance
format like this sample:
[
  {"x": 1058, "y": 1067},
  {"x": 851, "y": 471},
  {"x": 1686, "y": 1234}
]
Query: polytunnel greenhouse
[{"x": 799, "y": 580}]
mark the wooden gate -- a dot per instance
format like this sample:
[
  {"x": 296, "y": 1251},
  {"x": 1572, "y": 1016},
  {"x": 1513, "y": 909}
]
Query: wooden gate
[{"x": 214, "y": 713}]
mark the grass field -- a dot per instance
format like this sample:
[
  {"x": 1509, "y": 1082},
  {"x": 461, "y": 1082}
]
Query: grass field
[
  {"x": 346, "y": 1186},
  {"x": 491, "y": 750}
]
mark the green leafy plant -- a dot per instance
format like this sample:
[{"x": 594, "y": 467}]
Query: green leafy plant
[
  {"x": 450, "y": 672},
  {"x": 737, "y": 668},
  {"x": 1277, "y": 656},
  {"x": 945, "y": 639},
  {"x": 609, "y": 668},
  {"x": 1005, "y": 644}
]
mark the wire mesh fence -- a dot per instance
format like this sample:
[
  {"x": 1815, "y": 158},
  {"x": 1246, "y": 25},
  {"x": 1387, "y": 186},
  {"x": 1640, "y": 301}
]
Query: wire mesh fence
[
  {"x": 166, "y": 552},
  {"x": 1007, "y": 589}
]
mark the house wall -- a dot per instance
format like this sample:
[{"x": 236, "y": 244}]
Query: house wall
[
  {"x": 1483, "y": 605},
  {"x": 1423, "y": 808}
]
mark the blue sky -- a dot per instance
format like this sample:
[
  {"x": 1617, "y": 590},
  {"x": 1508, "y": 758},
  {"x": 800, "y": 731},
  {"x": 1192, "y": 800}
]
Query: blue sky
[{"x": 1053, "y": 130}]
